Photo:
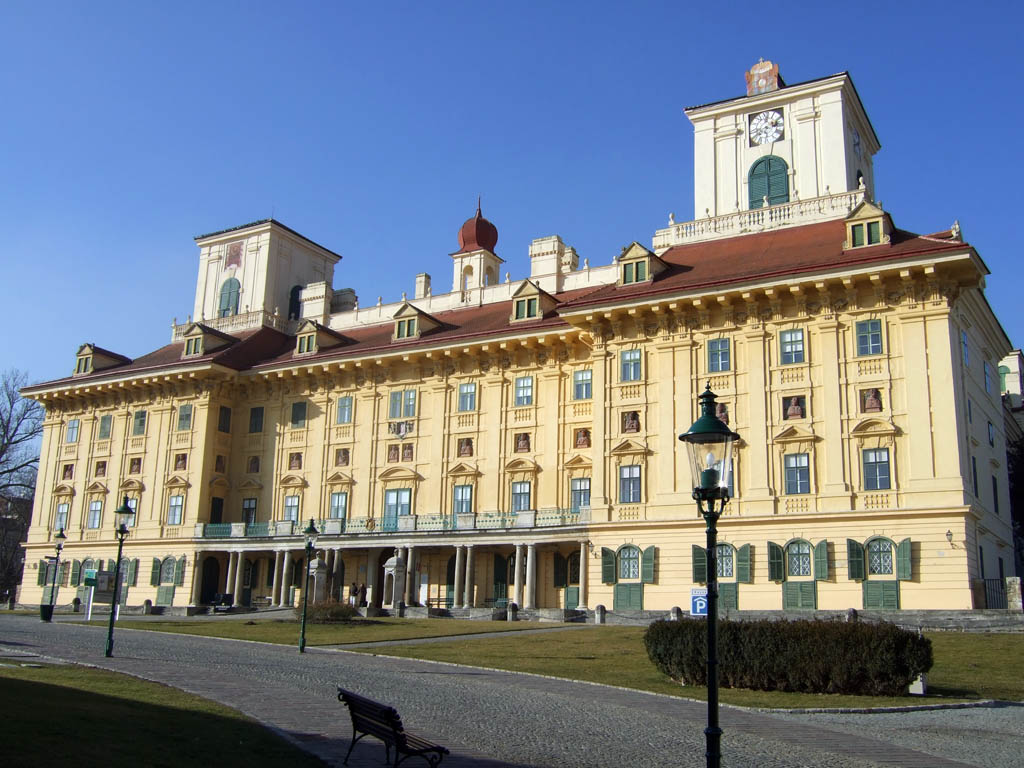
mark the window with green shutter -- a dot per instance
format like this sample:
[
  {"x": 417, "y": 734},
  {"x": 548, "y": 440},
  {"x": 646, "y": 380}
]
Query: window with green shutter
[
  {"x": 881, "y": 594},
  {"x": 700, "y": 564},
  {"x": 41, "y": 575},
  {"x": 628, "y": 597},
  {"x": 608, "y": 574},
  {"x": 165, "y": 595},
  {"x": 800, "y": 595},
  {"x": 229, "y": 294},
  {"x": 855, "y": 560},
  {"x": 179, "y": 571},
  {"x": 821, "y": 561},
  {"x": 647, "y": 566},
  {"x": 904, "y": 571},
  {"x": 776, "y": 562},
  {"x": 76, "y": 573},
  {"x": 728, "y": 596},
  {"x": 744, "y": 569},
  {"x": 133, "y": 572},
  {"x": 154, "y": 575},
  {"x": 768, "y": 177}
]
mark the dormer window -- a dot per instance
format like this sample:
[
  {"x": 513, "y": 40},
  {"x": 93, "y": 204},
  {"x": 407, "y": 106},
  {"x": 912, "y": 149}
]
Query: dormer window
[
  {"x": 634, "y": 272},
  {"x": 194, "y": 346},
  {"x": 866, "y": 233},
  {"x": 405, "y": 329},
  {"x": 638, "y": 265},
  {"x": 306, "y": 343},
  {"x": 526, "y": 308},
  {"x": 867, "y": 225},
  {"x": 84, "y": 365}
]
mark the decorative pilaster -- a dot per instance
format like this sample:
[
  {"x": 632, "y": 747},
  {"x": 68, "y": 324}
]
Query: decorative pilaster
[
  {"x": 460, "y": 554},
  {"x": 583, "y": 576},
  {"x": 531, "y": 572},
  {"x": 468, "y": 597}
]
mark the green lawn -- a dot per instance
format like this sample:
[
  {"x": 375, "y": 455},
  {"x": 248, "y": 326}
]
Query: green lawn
[{"x": 81, "y": 716}]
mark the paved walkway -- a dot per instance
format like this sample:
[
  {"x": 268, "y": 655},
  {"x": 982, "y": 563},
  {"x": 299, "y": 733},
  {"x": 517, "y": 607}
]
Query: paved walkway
[{"x": 487, "y": 718}]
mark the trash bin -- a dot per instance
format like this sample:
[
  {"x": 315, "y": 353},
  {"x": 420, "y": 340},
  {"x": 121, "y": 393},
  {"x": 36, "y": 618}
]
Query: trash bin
[{"x": 45, "y": 612}]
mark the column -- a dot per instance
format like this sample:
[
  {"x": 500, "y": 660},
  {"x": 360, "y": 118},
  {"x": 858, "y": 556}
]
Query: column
[
  {"x": 410, "y": 576},
  {"x": 460, "y": 560},
  {"x": 197, "y": 561},
  {"x": 275, "y": 590},
  {"x": 286, "y": 577},
  {"x": 531, "y": 576},
  {"x": 517, "y": 577},
  {"x": 373, "y": 574},
  {"x": 239, "y": 570},
  {"x": 329, "y": 573},
  {"x": 467, "y": 601},
  {"x": 338, "y": 588},
  {"x": 583, "y": 576},
  {"x": 230, "y": 570}
]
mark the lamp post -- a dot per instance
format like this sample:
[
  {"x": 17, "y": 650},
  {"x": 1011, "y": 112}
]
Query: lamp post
[
  {"x": 46, "y": 611},
  {"x": 709, "y": 444},
  {"x": 122, "y": 519},
  {"x": 311, "y": 534}
]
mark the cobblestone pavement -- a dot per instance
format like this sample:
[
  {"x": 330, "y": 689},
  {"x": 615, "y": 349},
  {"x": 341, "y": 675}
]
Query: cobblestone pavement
[{"x": 490, "y": 718}]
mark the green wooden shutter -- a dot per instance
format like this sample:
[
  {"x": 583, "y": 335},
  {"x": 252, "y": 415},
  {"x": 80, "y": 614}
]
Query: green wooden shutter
[
  {"x": 63, "y": 575},
  {"x": 700, "y": 564},
  {"x": 154, "y": 576},
  {"x": 743, "y": 569},
  {"x": 776, "y": 563},
  {"x": 799, "y": 595},
  {"x": 881, "y": 594},
  {"x": 133, "y": 572},
  {"x": 561, "y": 570},
  {"x": 821, "y": 560},
  {"x": 808, "y": 595},
  {"x": 904, "y": 572},
  {"x": 41, "y": 576},
  {"x": 607, "y": 566},
  {"x": 758, "y": 184},
  {"x": 76, "y": 573},
  {"x": 728, "y": 596},
  {"x": 854, "y": 560},
  {"x": 111, "y": 564},
  {"x": 179, "y": 571},
  {"x": 778, "y": 181},
  {"x": 647, "y": 566},
  {"x": 790, "y": 595}
]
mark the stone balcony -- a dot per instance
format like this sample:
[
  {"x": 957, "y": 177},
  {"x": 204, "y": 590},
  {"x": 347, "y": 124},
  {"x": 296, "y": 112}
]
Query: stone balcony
[{"x": 240, "y": 322}]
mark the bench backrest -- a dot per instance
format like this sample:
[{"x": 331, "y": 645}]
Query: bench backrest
[{"x": 374, "y": 718}]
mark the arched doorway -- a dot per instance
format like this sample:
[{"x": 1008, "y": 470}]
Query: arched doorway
[
  {"x": 500, "y": 589},
  {"x": 572, "y": 588},
  {"x": 211, "y": 580}
]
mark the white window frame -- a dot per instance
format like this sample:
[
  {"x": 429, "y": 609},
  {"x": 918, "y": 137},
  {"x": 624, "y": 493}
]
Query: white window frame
[
  {"x": 630, "y": 365},
  {"x": 521, "y": 496},
  {"x": 291, "y": 507},
  {"x": 719, "y": 355},
  {"x": 175, "y": 509},
  {"x": 344, "y": 415},
  {"x": 524, "y": 391},
  {"x": 791, "y": 345},
  {"x": 467, "y": 396},
  {"x": 583, "y": 384},
  {"x": 338, "y": 505}
]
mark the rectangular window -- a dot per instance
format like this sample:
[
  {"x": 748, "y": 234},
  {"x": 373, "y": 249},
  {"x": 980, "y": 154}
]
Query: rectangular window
[
  {"x": 467, "y": 397},
  {"x": 106, "y": 422},
  {"x": 634, "y": 272},
  {"x": 798, "y": 473},
  {"x": 95, "y": 514},
  {"x": 964, "y": 349},
  {"x": 526, "y": 308},
  {"x": 224, "y": 420},
  {"x": 524, "y": 390},
  {"x": 139, "y": 423},
  {"x": 249, "y": 511},
  {"x": 991, "y": 434},
  {"x": 345, "y": 409},
  {"x": 876, "y": 469},
  {"x": 869, "y": 337},
  {"x": 463, "y": 500},
  {"x": 175, "y": 506},
  {"x": 995, "y": 494},
  {"x": 291, "y": 508},
  {"x": 397, "y": 501},
  {"x": 791, "y": 345},
  {"x": 520, "y": 497},
  {"x": 629, "y": 484},
  {"x": 630, "y": 365},
  {"x": 582, "y": 384},
  {"x": 339, "y": 505},
  {"x": 974, "y": 475},
  {"x": 874, "y": 232},
  {"x": 256, "y": 419},
  {"x": 970, "y": 412},
  {"x": 60, "y": 519},
  {"x": 857, "y": 235},
  {"x": 184, "y": 418},
  {"x": 71, "y": 435},
  {"x": 579, "y": 493},
  {"x": 406, "y": 329},
  {"x": 299, "y": 415},
  {"x": 718, "y": 355},
  {"x": 133, "y": 505},
  {"x": 409, "y": 404},
  {"x": 402, "y": 404},
  {"x": 988, "y": 376}
]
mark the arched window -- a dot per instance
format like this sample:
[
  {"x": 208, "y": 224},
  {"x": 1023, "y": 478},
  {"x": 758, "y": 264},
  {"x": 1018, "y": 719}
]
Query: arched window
[
  {"x": 1004, "y": 371},
  {"x": 880, "y": 557},
  {"x": 798, "y": 558},
  {"x": 629, "y": 563},
  {"x": 294, "y": 304},
  {"x": 229, "y": 298},
  {"x": 769, "y": 178},
  {"x": 167, "y": 571},
  {"x": 724, "y": 561}
]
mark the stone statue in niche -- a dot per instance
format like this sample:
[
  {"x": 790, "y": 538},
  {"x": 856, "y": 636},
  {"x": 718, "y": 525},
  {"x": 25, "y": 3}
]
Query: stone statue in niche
[
  {"x": 68, "y": 472},
  {"x": 631, "y": 421},
  {"x": 795, "y": 409},
  {"x": 407, "y": 452},
  {"x": 341, "y": 457},
  {"x": 393, "y": 452},
  {"x": 582, "y": 438},
  {"x": 294, "y": 461},
  {"x": 523, "y": 442},
  {"x": 465, "y": 446},
  {"x": 180, "y": 462},
  {"x": 722, "y": 412},
  {"x": 871, "y": 401},
  {"x": 253, "y": 465},
  {"x": 134, "y": 466}
]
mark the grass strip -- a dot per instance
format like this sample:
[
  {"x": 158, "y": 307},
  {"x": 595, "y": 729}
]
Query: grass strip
[{"x": 89, "y": 716}]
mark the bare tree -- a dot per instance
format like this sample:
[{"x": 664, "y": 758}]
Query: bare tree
[{"x": 21, "y": 424}]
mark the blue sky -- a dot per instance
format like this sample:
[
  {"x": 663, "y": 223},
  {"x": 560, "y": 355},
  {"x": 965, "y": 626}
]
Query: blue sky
[{"x": 128, "y": 128}]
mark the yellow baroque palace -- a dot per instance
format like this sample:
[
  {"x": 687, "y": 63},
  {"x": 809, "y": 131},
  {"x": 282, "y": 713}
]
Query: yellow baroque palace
[{"x": 515, "y": 441}]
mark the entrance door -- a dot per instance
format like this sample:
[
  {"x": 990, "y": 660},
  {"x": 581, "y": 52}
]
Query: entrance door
[
  {"x": 500, "y": 590},
  {"x": 211, "y": 580},
  {"x": 450, "y": 583},
  {"x": 572, "y": 589},
  {"x": 216, "y": 509}
]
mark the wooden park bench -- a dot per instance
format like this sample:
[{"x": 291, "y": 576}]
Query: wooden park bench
[{"x": 371, "y": 718}]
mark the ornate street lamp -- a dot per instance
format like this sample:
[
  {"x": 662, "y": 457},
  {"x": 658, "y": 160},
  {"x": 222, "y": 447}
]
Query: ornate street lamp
[
  {"x": 123, "y": 516},
  {"x": 46, "y": 611},
  {"x": 709, "y": 444},
  {"x": 311, "y": 534}
]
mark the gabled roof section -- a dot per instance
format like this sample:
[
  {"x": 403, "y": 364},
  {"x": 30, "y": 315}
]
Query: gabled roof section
[
  {"x": 212, "y": 339},
  {"x": 527, "y": 290},
  {"x": 324, "y": 337},
  {"x": 91, "y": 358},
  {"x": 425, "y": 321}
]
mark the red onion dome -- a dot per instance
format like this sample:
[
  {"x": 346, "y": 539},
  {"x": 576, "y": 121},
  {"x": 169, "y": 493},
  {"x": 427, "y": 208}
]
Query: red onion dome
[{"x": 477, "y": 233}]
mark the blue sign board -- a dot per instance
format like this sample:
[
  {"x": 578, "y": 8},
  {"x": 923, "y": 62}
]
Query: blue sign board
[{"x": 699, "y": 601}]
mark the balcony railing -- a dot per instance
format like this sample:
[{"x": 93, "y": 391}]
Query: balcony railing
[
  {"x": 257, "y": 529},
  {"x": 217, "y": 531}
]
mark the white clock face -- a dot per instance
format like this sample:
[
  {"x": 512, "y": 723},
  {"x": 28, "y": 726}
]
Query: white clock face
[{"x": 766, "y": 127}]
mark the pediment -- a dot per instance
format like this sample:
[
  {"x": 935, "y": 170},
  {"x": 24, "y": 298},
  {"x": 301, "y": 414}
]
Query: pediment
[
  {"x": 219, "y": 482},
  {"x": 339, "y": 478},
  {"x": 292, "y": 481},
  {"x": 866, "y": 210},
  {"x": 131, "y": 485},
  {"x": 530, "y": 288},
  {"x": 635, "y": 251},
  {"x": 176, "y": 481},
  {"x": 871, "y": 426},
  {"x": 64, "y": 490},
  {"x": 250, "y": 484},
  {"x": 464, "y": 470},
  {"x": 399, "y": 473},
  {"x": 628, "y": 447},
  {"x": 522, "y": 465},
  {"x": 96, "y": 487},
  {"x": 794, "y": 434},
  {"x": 424, "y": 321},
  {"x": 578, "y": 461}
]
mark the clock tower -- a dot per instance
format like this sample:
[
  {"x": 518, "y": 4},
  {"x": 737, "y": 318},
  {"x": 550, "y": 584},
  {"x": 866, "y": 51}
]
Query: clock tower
[{"x": 781, "y": 144}]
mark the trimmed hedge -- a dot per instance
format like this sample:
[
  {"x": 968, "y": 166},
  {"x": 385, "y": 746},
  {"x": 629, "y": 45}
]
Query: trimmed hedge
[
  {"x": 802, "y": 656},
  {"x": 327, "y": 612}
]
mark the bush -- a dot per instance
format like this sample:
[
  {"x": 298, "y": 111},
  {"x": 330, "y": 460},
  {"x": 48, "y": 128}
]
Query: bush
[
  {"x": 327, "y": 612},
  {"x": 802, "y": 656}
]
